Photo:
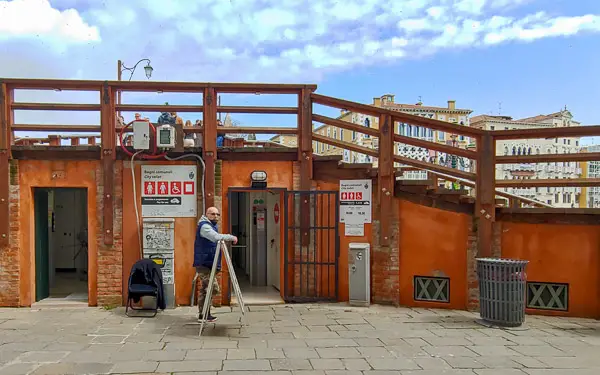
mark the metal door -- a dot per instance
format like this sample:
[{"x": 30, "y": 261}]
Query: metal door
[
  {"x": 311, "y": 246},
  {"x": 42, "y": 256}
]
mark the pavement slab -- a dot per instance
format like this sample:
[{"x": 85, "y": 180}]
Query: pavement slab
[{"x": 299, "y": 339}]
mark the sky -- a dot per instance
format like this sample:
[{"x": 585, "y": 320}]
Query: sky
[{"x": 515, "y": 57}]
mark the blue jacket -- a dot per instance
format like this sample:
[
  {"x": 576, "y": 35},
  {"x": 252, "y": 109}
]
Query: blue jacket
[
  {"x": 205, "y": 249},
  {"x": 205, "y": 244}
]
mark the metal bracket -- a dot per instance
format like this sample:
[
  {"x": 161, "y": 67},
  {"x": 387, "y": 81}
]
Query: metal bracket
[{"x": 209, "y": 99}]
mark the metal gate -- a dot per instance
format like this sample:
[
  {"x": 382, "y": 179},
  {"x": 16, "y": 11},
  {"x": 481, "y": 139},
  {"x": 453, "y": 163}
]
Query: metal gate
[{"x": 312, "y": 246}]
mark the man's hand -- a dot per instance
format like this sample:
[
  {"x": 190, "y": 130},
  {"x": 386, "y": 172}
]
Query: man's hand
[{"x": 234, "y": 240}]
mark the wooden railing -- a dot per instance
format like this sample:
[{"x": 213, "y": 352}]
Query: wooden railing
[{"x": 481, "y": 177}]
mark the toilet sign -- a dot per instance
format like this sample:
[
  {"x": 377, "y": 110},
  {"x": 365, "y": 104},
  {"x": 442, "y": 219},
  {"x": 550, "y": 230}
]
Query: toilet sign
[
  {"x": 355, "y": 201},
  {"x": 276, "y": 213},
  {"x": 169, "y": 191}
]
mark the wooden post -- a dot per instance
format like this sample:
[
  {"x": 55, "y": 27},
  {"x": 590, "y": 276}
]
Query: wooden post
[
  {"x": 305, "y": 159},
  {"x": 209, "y": 148},
  {"x": 6, "y": 121},
  {"x": 386, "y": 177},
  {"x": 107, "y": 121},
  {"x": 485, "y": 208}
]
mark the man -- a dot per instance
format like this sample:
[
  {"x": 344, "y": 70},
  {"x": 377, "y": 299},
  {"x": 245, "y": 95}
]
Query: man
[{"x": 205, "y": 247}]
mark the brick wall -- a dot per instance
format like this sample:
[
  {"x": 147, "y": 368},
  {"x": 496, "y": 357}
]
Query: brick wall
[
  {"x": 110, "y": 257},
  {"x": 385, "y": 259},
  {"x": 472, "y": 281},
  {"x": 9, "y": 261}
]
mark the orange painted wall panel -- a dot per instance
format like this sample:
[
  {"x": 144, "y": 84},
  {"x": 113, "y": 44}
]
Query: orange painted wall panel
[
  {"x": 432, "y": 242},
  {"x": 38, "y": 173},
  {"x": 561, "y": 254},
  {"x": 236, "y": 174},
  {"x": 185, "y": 232}
]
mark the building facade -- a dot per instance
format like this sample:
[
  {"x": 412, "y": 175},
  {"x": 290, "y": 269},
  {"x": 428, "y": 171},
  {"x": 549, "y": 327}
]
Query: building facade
[
  {"x": 566, "y": 197},
  {"x": 449, "y": 113},
  {"x": 591, "y": 195}
]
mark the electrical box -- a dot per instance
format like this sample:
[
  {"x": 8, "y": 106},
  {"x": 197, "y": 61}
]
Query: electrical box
[
  {"x": 158, "y": 237},
  {"x": 359, "y": 274},
  {"x": 165, "y": 137},
  {"x": 141, "y": 135}
]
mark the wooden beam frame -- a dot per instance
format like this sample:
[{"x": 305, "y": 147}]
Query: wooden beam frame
[
  {"x": 209, "y": 148},
  {"x": 61, "y": 128},
  {"x": 386, "y": 177},
  {"x": 345, "y": 125},
  {"x": 551, "y": 182},
  {"x": 485, "y": 206},
  {"x": 55, "y": 107},
  {"x": 548, "y": 158},
  {"x": 537, "y": 133},
  {"x": 107, "y": 118},
  {"x": 305, "y": 157},
  {"x": 6, "y": 119}
]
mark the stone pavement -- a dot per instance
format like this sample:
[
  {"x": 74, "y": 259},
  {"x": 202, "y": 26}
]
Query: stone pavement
[{"x": 293, "y": 339}]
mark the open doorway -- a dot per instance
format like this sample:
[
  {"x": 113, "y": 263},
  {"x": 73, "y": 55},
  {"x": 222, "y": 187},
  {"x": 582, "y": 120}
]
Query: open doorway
[
  {"x": 254, "y": 217},
  {"x": 61, "y": 245}
]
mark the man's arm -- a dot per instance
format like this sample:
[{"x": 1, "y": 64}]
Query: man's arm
[{"x": 210, "y": 234}]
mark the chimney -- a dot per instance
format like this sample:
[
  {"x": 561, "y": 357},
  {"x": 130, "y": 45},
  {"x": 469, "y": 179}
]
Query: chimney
[
  {"x": 451, "y": 104},
  {"x": 377, "y": 102}
]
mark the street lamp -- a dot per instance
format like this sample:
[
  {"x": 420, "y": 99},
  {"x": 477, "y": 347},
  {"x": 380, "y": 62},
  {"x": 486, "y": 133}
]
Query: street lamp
[
  {"x": 121, "y": 67},
  {"x": 147, "y": 69}
]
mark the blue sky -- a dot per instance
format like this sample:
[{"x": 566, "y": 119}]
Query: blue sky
[{"x": 533, "y": 56}]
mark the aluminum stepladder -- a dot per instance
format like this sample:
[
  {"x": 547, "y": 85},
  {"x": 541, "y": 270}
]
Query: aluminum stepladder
[{"x": 222, "y": 249}]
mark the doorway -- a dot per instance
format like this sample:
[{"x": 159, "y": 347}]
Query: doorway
[
  {"x": 61, "y": 245},
  {"x": 254, "y": 217}
]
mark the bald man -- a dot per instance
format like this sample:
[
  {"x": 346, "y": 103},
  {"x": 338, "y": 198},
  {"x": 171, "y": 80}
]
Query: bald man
[{"x": 205, "y": 247}]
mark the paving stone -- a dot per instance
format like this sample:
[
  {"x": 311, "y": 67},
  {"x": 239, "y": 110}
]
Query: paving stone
[
  {"x": 393, "y": 364},
  {"x": 134, "y": 367},
  {"x": 485, "y": 350},
  {"x": 375, "y": 352},
  {"x": 449, "y": 351},
  {"x": 41, "y": 357},
  {"x": 18, "y": 369},
  {"x": 356, "y": 364},
  {"x": 327, "y": 364},
  {"x": 87, "y": 357},
  {"x": 432, "y": 363},
  {"x": 463, "y": 362},
  {"x": 499, "y": 372},
  {"x": 206, "y": 354},
  {"x": 246, "y": 365},
  {"x": 165, "y": 355},
  {"x": 290, "y": 364},
  {"x": 269, "y": 353},
  {"x": 188, "y": 366},
  {"x": 338, "y": 352},
  {"x": 300, "y": 353},
  {"x": 241, "y": 354},
  {"x": 71, "y": 369}
]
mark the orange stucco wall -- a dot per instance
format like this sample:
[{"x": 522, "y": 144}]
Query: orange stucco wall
[
  {"x": 236, "y": 174},
  {"x": 37, "y": 173},
  {"x": 185, "y": 229},
  {"x": 432, "y": 242},
  {"x": 561, "y": 254}
]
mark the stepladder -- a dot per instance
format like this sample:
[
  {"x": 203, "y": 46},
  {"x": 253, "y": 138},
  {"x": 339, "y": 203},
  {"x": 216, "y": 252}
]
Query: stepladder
[{"x": 222, "y": 250}]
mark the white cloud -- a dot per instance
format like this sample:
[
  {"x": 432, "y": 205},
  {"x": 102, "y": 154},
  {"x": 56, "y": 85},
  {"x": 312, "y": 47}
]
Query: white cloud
[
  {"x": 37, "y": 19},
  {"x": 267, "y": 40}
]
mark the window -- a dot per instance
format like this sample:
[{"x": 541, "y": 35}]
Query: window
[
  {"x": 342, "y": 134},
  {"x": 334, "y": 133},
  {"x": 492, "y": 127}
]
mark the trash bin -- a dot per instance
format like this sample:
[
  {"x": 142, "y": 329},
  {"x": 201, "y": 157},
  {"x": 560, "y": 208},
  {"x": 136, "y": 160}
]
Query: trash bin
[{"x": 502, "y": 290}]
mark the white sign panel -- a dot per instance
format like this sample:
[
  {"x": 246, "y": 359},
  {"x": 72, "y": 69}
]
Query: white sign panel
[
  {"x": 354, "y": 230},
  {"x": 355, "y": 201},
  {"x": 169, "y": 191}
]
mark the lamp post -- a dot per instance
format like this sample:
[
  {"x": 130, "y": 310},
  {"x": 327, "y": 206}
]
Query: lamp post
[{"x": 121, "y": 67}]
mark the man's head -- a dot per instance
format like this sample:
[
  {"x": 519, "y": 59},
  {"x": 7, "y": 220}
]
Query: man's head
[{"x": 212, "y": 213}]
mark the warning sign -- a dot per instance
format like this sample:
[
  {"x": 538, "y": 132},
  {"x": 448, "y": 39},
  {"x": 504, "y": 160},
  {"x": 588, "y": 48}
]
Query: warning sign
[
  {"x": 169, "y": 191},
  {"x": 355, "y": 201}
]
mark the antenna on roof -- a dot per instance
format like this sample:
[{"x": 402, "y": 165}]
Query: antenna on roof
[{"x": 499, "y": 108}]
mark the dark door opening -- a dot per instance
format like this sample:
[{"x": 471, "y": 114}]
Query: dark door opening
[
  {"x": 254, "y": 218},
  {"x": 61, "y": 244},
  {"x": 312, "y": 246}
]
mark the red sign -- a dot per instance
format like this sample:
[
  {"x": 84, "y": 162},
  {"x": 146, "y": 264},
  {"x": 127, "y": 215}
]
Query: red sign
[
  {"x": 175, "y": 187},
  {"x": 149, "y": 188},
  {"x": 163, "y": 188},
  {"x": 276, "y": 213},
  {"x": 188, "y": 188},
  {"x": 351, "y": 195},
  {"x": 344, "y": 196},
  {"x": 359, "y": 195}
]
